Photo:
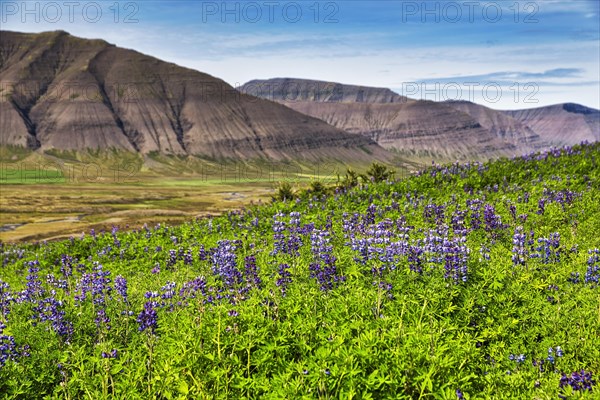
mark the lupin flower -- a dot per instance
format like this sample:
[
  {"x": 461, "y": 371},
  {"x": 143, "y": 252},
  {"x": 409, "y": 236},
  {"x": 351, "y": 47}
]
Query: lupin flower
[
  {"x": 279, "y": 242},
  {"x": 326, "y": 274},
  {"x": 224, "y": 264},
  {"x": 592, "y": 275},
  {"x": 95, "y": 285},
  {"x": 519, "y": 358},
  {"x": 102, "y": 320},
  {"x": 578, "y": 380},
  {"x": 33, "y": 287},
  {"x": 121, "y": 287},
  {"x": 285, "y": 278},
  {"x": 492, "y": 220},
  {"x": 8, "y": 347},
  {"x": 455, "y": 259},
  {"x": 251, "y": 273},
  {"x": 5, "y": 299},
  {"x": 50, "y": 309},
  {"x": 415, "y": 259},
  {"x": 148, "y": 317},
  {"x": 156, "y": 269},
  {"x": 519, "y": 249},
  {"x": 548, "y": 249},
  {"x": 111, "y": 354},
  {"x": 190, "y": 289}
]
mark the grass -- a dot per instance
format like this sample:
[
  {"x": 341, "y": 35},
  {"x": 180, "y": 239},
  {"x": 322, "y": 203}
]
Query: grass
[
  {"x": 467, "y": 281},
  {"x": 45, "y": 211},
  {"x": 54, "y": 194}
]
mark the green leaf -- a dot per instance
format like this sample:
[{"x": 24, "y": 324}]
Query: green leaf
[{"x": 183, "y": 387}]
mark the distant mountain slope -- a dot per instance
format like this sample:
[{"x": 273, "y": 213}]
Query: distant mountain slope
[
  {"x": 395, "y": 122},
  {"x": 500, "y": 124},
  {"x": 298, "y": 90},
  {"x": 561, "y": 124},
  {"x": 451, "y": 129},
  {"x": 64, "y": 92}
]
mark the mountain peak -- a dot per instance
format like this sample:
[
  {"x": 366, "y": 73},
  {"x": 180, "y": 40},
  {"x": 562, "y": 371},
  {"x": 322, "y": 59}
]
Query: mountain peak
[
  {"x": 579, "y": 109},
  {"x": 69, "y": 93},
  {"x": 297, "y": 89}
]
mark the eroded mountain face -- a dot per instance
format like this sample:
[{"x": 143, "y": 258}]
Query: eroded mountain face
[
  {"x": 457, "y": 129},
  {"x": 561, "y": 124},
  {"x": 64, "y": 92}
]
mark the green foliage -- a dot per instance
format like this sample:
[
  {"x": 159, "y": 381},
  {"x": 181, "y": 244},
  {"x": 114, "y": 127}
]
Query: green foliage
[
  {"x": 378, "y": 173},
  {"x": 285, "y": 192},
  {"x": 350, "y": 180},
  {"x": 372, "y": 327}
]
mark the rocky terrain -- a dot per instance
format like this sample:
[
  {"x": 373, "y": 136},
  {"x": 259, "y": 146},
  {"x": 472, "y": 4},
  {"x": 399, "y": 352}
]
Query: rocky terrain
[
  {"x": 450, "y": 130},
  {"x": 60, "y": 92},
  {"x": 67, "y": 93},
  {"x": 561, "y": 124}
]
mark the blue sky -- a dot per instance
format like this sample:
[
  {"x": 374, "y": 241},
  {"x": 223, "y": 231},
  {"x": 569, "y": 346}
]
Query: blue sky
[{"x": 503, "y": 54}]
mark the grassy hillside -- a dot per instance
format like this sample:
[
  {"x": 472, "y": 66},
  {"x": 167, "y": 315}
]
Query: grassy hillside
[{"x": 467, "y": 281}]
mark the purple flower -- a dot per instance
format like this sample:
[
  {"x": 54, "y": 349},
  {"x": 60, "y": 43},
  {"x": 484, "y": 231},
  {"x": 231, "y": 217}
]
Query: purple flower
[
  {"x": 148, "y": 317},
  {"x": 112, "y": 354},
  {"x": 102, "y": 320},
  {"x": 33, "y": 287},
  {"x": 519, "y": 249},
  {"x": 5, "y": 299},
  {"x": 224, "y": 264},
  {"x": 455, "y": 257},
  {"x": 415, "y": 259},
  {"x": 592, "y": 275},
  {"x": 251, "y": 273},
  {"x": 168, "y": 290},
  {"x": 548, "y": 249},
  {"x": 578, "y": 380},
  {"x": 285, "y": 278},
  {"x": 121, "y": 287},
  {"x": 8, "y": 347},
  {"x": 95, "y": 285},
  {"x": 492, "y": 220},
  {"x": 50, "y": 310},
  {"x": 190, "y": 289}
]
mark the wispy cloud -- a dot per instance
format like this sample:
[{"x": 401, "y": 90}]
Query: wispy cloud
[{"x": 510, "y": 77}]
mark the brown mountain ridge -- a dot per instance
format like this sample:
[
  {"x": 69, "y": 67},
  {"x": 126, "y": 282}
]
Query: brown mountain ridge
[
  {"x": 63, "y": 92},
  {"x": 448, "y": 130}
]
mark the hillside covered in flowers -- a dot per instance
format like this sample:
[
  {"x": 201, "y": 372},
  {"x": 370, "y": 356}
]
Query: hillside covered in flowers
[{"x": 465, "y": 281}]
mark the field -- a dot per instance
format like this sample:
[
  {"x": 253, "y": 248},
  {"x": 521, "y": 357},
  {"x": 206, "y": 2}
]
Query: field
[
  {"x": 464, "y": 282},
  {"x": 53, "y": 210},
  {"x": 45, "y": 197}
]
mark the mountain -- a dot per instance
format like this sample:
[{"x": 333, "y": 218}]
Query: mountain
[
  {"x": 63, "y": 92},
  {"x": 561, "y": 124},
  {"x": 450, "y": 130},
  {"x": 501, "y": 124},
  {"x": 306, "y": 90},
  {"x": 424, "y": 129}
]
